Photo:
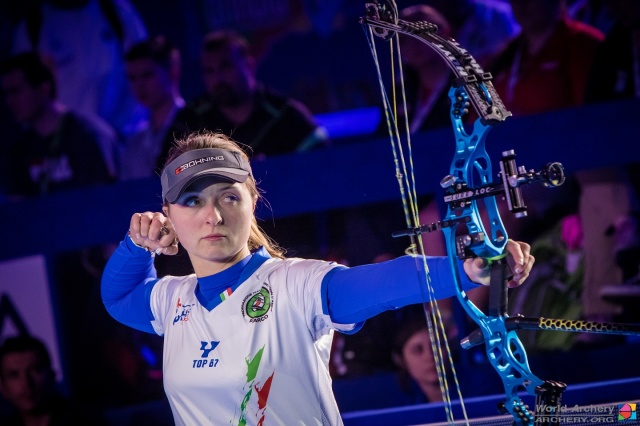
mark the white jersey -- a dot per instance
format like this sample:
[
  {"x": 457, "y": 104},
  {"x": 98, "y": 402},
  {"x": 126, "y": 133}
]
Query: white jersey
[{"x": 258, "y": 358}]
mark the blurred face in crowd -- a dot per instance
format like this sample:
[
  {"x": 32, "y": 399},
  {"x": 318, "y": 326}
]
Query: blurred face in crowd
[
  {"x": 24, "y": 380},
  {"x": 25, "y": 102},
  {"x": 228, "y": 76},
  {"x": 418, "y": 358},
  {"x": 150, "y": 83}
]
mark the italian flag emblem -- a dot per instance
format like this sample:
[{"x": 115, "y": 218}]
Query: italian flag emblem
[{"x": 226, "y": 294}]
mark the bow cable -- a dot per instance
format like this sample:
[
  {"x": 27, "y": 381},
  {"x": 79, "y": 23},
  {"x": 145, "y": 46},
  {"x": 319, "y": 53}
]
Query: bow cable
[{"x": 407, "y": 186}]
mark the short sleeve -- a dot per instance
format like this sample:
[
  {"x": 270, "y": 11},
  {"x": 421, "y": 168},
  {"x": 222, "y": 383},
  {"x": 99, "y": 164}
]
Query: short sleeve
[
  {"x": 304, "y": 287},
  {"x": 165, "y": 298}
]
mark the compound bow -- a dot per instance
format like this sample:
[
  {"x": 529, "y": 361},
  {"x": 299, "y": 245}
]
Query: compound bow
[{"x": 471, "y": 179}]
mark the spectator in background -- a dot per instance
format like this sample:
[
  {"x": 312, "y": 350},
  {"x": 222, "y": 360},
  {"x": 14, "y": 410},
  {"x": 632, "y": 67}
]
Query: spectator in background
[
  {"x": 416, "y": 366},
  {"x": 28, "y": 383},
  {"x": 153, "y": 70},
  {"x": 483, "y": 27},
  {"x": 59, "y": 149},
  {"x": 267, "y": 122},
  {"x": 237, "y": 104},
  {"x": 323, "y": 60},
  {"x": 86, "y": 40},
  {"x": 413, "y": 356},
  {"x": 546, "y": 67}
]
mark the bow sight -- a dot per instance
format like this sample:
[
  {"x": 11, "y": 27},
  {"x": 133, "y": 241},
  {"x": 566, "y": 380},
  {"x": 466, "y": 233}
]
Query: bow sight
[{"x": 512, "y": 177}]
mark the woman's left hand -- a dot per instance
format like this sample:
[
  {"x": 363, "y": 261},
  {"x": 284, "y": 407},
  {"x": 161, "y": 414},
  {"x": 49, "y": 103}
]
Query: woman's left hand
[
  {"x": 519, "y": 259},
  {"x": 154, "y": 232}
]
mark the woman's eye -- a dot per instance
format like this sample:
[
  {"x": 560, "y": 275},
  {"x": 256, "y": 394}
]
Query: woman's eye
[
  {"x": 190, "y": 201},
  {"x": 231, "y": 198}
]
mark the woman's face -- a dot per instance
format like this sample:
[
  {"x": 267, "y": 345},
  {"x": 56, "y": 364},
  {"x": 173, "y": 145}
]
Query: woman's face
[
  {"x": 213, "y": 223},
  {"x": 418, "y": 358}
]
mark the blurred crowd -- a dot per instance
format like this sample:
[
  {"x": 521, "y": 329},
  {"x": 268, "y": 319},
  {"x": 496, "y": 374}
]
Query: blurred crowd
[{"x": 95, "y": 91}]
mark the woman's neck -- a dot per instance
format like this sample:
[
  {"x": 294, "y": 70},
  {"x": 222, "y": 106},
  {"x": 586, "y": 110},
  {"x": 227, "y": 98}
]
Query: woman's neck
[{"x": 206, "y": 267}]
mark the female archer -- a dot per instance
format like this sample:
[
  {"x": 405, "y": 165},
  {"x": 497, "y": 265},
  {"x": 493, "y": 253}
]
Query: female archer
[{"x": 247, "y": 337}]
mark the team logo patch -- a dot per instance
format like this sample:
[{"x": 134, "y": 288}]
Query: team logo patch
[
  {"x": 257, "y": 304},
  {"x": 182, "y": 312}
]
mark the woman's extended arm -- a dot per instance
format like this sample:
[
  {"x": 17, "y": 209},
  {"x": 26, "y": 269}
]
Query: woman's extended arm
[
  {"x": 358, "y": 293},
  {"x": 126, "y": 286},
  {"x": 352, "y": 295}
]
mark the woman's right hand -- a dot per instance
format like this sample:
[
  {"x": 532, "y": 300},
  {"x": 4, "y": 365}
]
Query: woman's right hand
[{"x": 153, "y": 231}]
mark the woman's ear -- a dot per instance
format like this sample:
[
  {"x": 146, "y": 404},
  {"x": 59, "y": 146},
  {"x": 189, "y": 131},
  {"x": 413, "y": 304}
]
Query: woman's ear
[{"x": 165, "y": 210}]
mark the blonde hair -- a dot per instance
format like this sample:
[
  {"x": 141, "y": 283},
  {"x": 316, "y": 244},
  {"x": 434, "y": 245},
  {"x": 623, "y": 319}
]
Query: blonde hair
[{"x": 206, "y": 139}]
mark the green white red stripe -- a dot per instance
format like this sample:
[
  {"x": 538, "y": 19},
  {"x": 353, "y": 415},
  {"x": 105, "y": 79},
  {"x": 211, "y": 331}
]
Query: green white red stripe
[{"x": 226, "y": 294}]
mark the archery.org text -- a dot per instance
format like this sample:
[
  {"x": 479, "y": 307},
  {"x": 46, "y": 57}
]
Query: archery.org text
[{"x": 576, "y": 414}]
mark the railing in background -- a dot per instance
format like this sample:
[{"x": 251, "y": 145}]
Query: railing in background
[{"x": 344, "y": 176}]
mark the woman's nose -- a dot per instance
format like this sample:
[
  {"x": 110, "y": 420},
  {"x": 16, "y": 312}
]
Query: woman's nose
[{"x": 214, "y": 217}]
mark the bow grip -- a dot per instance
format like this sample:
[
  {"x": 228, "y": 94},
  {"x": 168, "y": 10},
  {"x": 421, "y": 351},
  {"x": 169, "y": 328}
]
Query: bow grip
[{"x": 498, "y": 291}]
